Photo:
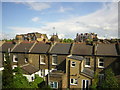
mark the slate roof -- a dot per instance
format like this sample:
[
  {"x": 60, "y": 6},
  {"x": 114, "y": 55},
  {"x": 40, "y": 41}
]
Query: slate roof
[
  {"x": 76, "y": 57},
  {"x": 82, "y": 49},
  {"x": 23, "y": 47},
  {"x": 61, "y": 48},
  {"x": 29, "y": 69},
  {"x": 5, "y": 46},
  {"x": 106, "y": 50},
  {"x": 88, "y": 72},
  {"x": 40, "y": 48}
]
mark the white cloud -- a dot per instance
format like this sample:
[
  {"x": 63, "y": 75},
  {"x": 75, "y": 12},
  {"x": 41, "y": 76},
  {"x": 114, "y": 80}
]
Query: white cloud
[
  {"x": 35, "y": 19},
  {"x": 38, "y": 6},
  {"x": 104, "y": 22},
  {"x": 62, "y": 9}
]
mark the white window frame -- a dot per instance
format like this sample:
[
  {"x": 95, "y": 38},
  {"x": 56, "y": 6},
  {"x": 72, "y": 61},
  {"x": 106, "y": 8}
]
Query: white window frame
[
  {"x": 26, "y": 60},
  {"x": 73, "y": 62},
  {"x": 53, "y": 82},
  {"x": 53, "y": 59},
  {"x": 100, "y": 62},
  {"x": 85, "y": 84},
  {"x": 15, "y": 56},
  {"x": 32, "y": 76},
  {"x": 41, "y": 57},
  {"x": 14, "y": 66},
  {"x": 85, "y": 62},
  {"x": 4, "y": 57},
  {"x": 42, "y": 72},
  {"x": 74, "y": 81}
]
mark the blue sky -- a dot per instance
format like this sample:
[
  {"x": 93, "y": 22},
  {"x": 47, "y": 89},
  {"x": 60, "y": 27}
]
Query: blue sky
[{"x": 68, "y": 18}]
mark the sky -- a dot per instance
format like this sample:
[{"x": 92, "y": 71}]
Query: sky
[{"x": 64, "y": 18}]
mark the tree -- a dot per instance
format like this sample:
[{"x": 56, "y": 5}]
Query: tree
[
  {"x": 7, "y": 77},
  {"x": 95, "y": 81},
  {"x": 110, "y": 80},
  {"x": 36, "y": 82},
  {"x": 67, "y": 40},
  {"x": 20, "y": 81}
]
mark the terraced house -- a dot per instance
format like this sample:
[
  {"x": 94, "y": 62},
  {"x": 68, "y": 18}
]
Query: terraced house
[{"x": 63, "y": 65}]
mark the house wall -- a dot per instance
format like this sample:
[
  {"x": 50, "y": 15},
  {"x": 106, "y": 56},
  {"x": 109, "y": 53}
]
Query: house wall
[
  {"x": 29, "y": 77},
  {"x": 60, "y": 60},
  {"x": 91, "y": 62},
  {"x": 57, "y": 79},
  {"x": 108, "y": 62},
  {"x": 21, "y": 58},
  {"x": 34, "y": 59},
  {"x": 74, "y": 73}
]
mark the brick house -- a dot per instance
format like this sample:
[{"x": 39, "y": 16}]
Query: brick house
[{"x": 65, "y": 65}]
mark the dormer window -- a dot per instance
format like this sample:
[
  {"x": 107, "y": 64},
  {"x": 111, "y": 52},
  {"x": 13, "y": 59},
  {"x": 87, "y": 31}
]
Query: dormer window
[
  {"x": 101, "y": 63},
  {"x": 87, "y": 62},
  {"x": 42, "y": 59},
  {"x": 15, "y": 59},
  {"x": 54, "y": 59},
  {"x": 73, "y": 64}
]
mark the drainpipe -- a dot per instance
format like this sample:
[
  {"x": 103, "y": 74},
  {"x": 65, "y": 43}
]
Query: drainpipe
[
  {"x": 94, "y": 54},
  {"x": 48, "y": 78},
  {"x": 39, "y": 61},
  {"x": 68, "y": 75}
]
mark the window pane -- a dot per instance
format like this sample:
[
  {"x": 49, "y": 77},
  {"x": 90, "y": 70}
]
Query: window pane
[
  {"x": 71, "y": 80},
  {"x": 101, "y": 60},
  {"x": 100, "y": 64},
  {"x": 87, "y": 61},
  {"x": 42, "y": 58},
  {"x": 73, "y": 64},
  {"x": 87, "y": 83},
  {"x": 55, "y": 59},
  {"x": 55, "y": 84},
  {"x": 75, "y": 81},
  {"x": 83, "y": 84}
]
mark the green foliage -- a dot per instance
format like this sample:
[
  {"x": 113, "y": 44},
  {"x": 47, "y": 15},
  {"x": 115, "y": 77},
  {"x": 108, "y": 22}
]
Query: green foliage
[
  {"x": 95, "y": 81},
  {"x": 7, "y": 77},
  {"x": 47, "y": 88},
  {"x": 20, "y": 81},
  {"x": 110, "y": 80},
  {"x": 67, "y": 40},
  {"x": 36, "y": 81}
]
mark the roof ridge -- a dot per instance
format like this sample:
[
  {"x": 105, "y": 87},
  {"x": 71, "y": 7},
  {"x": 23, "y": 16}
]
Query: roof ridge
[{"x": 32, "y": 46}]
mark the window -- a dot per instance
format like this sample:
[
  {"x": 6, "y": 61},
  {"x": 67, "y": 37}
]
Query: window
[
  {"x": 54, "y": 59},
  {"x": 73, "y": 64},
  {"x": 42, "y": 72},
  {"x": 100, "y": 63},
  {"x": 101, "y": 78},
  {"x": 73, "y": 81},
  {"x": 15, "y": 59},
  {"x": 85, "y": 84},
  {"x": 32, "y": 78},
  {"x": 14, "y": 66},
  {"x": 42, "y": 59},
  {"x": 4, "y": 57},
  {"x": 54, "y": 84},
  {"x": 26, "y": 60},
  {"x": 87, "y": 62}
]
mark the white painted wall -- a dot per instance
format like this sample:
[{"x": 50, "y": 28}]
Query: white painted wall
[{"x": 29, "y": 77}]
